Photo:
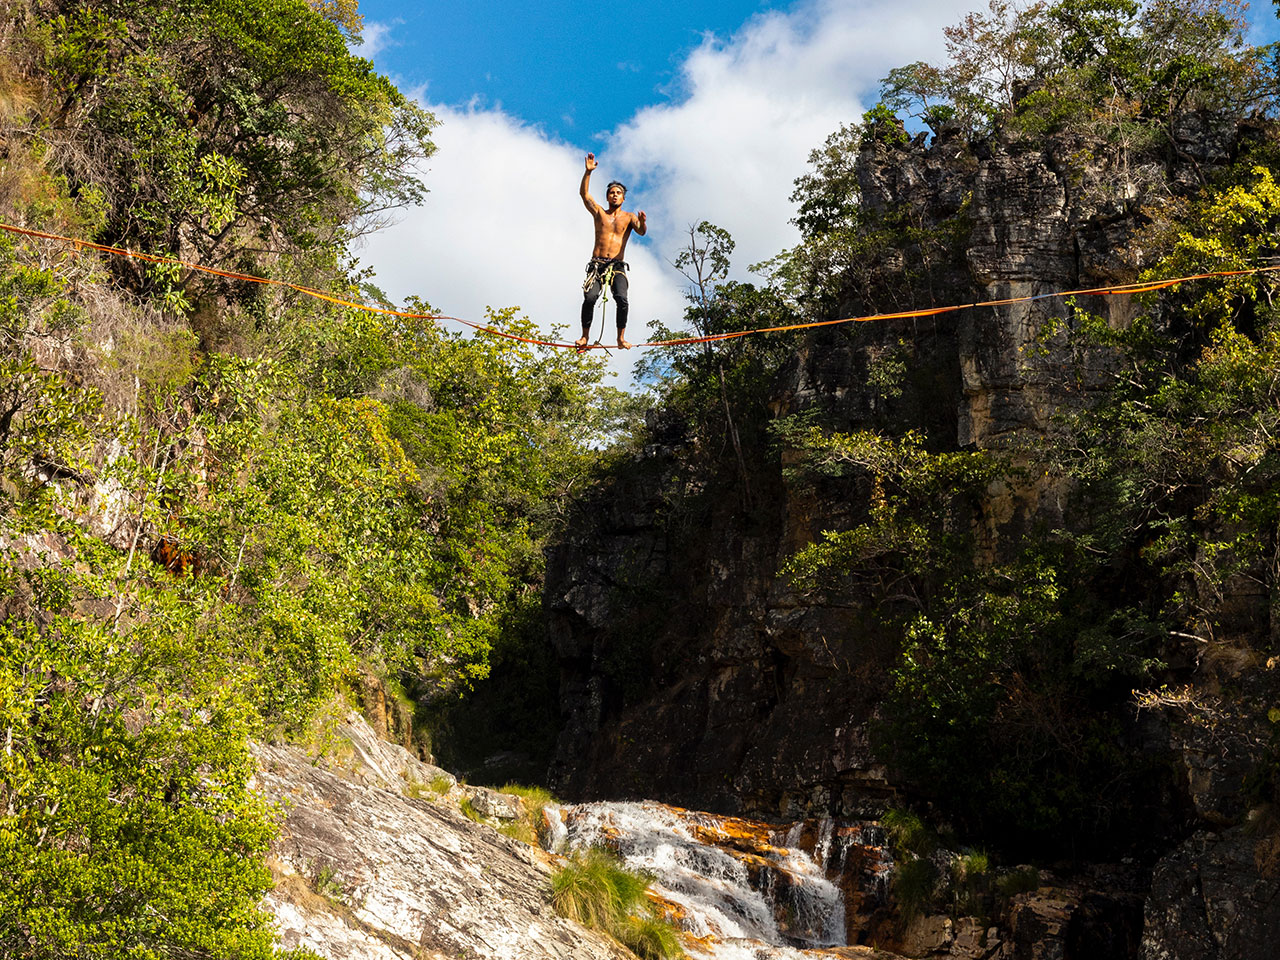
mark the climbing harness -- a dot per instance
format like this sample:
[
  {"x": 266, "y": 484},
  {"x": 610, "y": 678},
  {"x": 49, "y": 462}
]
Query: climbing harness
[
  {"x": 1117, "y": 290},
  {"x": 606, "y": 284}
]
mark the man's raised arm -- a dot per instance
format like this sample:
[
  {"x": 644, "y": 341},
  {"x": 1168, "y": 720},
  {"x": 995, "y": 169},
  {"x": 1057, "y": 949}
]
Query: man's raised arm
[
  {"x": 641, "y": 223},
  {"x": 590, "y": 204}
]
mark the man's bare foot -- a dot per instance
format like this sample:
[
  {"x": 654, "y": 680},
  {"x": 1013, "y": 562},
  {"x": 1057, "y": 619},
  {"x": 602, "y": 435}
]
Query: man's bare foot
[
  {"x": 623, "y": 343},
  {"x": 581, "y": 342}
]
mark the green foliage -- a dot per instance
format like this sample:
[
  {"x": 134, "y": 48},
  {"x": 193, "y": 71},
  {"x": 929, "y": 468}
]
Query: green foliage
[
  {"x": 970, "y": 884},
  {"x": 514, "y": 712},
  {"x": 881, "y": 125},
  {"x": 1232, "y": 228},
  {"x": 919, "y": 885},
  {"x": 1016, "y": 664},
  {"x": 218, "y": 126},
  {"x": 720, "y": 387},
  {"x": 593, "y": 889},
  {"x": 1116, "y": 69},
  {"x": 1000, "y": 660},
  {"x": 328, "y": 883},
  {"x": 436, "y": 787},
  {"x": 530, "y": 824},
  {"x": 1021, "y": 880},
  {"x": 208, "y": 529},
  {"x": 651, "y": 938},
  {"x": 915, "y": 498},
  {"x": 1180, "y": 460},
  {"x": 852, "y": 258},
  {"x": 908, "y": 833},
  {"x": 915, "y": 886},
  {"x": 129, "y": 829}
]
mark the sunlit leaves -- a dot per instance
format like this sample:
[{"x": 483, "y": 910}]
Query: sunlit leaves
[
  {"x": 1119, "y": 70},
  {"x": 219, "y": 128}
]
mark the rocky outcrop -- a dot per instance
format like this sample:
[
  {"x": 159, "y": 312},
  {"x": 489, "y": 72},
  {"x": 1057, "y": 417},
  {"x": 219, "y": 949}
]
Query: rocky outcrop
[
  {"x": 374, "y": 863},
  {"x": 691, "y": 672},
  {"x": 1217, "y": 897},
  {"x": 762, "y": 699}
]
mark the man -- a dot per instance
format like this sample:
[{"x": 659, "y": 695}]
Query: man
[{"x": 613, "y": 227}]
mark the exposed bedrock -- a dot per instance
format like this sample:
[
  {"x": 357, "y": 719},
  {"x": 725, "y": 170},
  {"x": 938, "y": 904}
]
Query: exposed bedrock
[{"x": 692, "y": 672}]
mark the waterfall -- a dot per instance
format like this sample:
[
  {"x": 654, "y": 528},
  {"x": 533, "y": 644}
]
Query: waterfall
[
  {"x": 556, "y": 838},
  {"x": 750, "y": 890}
]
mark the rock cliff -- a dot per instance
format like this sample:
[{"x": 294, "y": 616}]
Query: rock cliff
[{"x": 693, "y": 673}]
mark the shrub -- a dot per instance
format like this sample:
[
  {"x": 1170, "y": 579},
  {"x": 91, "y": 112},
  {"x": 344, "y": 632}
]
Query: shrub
[
  {"x": 914, "y": 885},
  {"x": 970, "y": 883},
  {"x": 908, "y": 833},
  {"x": 469, "y": 811},
  {"x": 1021, "y": 880},
  {"x": 651, "y": 938}
]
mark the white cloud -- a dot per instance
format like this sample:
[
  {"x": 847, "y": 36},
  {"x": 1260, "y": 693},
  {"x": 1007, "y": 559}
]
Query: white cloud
[
  {"x": 754, "y": 106},
  {"x": 503, "y": 224},
  {"x": 374, "y": 38}
]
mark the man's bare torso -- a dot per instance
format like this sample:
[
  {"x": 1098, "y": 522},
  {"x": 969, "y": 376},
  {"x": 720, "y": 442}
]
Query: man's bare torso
[
  {"x": 612, "y": 230},
  {"x": 613, "y": 224}
]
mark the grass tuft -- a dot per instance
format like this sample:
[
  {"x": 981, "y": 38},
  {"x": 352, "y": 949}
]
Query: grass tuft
[
  {"x": 907, "y": 832},
  {"x": 650, "y": 938},
  {"x": 595, "y": 890},
  {"x": 529, "y": 826},
  {"x": 915, "y": 885}
]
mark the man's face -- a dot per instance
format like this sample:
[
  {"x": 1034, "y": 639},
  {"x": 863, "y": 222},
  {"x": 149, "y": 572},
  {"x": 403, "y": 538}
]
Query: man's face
[{"x": 615, "y": 195}]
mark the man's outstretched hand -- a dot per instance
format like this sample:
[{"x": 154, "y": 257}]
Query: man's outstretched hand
[{"x": 591, "y": 162}]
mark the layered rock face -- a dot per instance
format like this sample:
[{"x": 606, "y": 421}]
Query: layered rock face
[
  {"x": 761, "y": 697},
  {"x": 692, "y": 673},
  {"x": 371, "y": 866}
]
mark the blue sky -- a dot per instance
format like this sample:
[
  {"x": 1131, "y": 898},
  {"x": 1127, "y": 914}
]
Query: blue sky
[
  {"x": 705, "y": 110},
  {"x": 577, "y": 69}
]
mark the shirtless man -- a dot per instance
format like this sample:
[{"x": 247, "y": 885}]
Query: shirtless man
[{"x": 613, "y": 227}]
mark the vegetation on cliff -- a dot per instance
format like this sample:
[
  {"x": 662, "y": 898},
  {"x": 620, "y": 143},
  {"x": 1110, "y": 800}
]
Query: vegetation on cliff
[
  {"x": 221, "y": 502},
  {"x": 1020, "y": 652},
  {"x": 1025, "y": 645}
]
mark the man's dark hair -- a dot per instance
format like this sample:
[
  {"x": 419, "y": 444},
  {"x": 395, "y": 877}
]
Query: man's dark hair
[{"x": 615, "y": 183}]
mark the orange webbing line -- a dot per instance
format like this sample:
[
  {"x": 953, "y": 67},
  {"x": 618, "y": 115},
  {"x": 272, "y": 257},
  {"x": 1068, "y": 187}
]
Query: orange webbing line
[
  {"x": 1144, "y": 287},
  {"x": 317, "y": 294},
  {"x": 1124, "y": 288}
]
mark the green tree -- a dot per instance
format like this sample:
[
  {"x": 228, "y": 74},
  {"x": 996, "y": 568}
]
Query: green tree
[
  {"x": 240, "y": 133},
  {"x": 1115, "y": 69},
  {"x": 727, "y": 376},
  {"x": 219, "y": 503}
]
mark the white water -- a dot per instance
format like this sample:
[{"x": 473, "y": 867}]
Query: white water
[
  {"x": 557, "y": 832},
  {"x": 714, "y": 888}
]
